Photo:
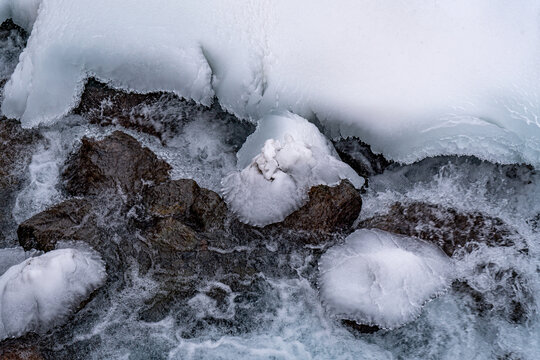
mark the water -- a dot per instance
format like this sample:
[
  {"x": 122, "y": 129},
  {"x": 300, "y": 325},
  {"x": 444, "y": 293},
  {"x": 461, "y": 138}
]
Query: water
[{"x": 282, "y": 318}]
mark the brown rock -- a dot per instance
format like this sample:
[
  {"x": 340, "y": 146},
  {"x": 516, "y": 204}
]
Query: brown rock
[
  {"x": 329, "y": 209},
  {"x": 65, "y": 221},
  {"x": 445, "y": 227},
  {"x": 22, "y": 348},
  {"x": 116, "y": 163},
  {"x": 185, "y": 200}
]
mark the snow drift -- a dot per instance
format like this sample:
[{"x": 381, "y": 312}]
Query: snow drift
[
  {"x": 378, "y": 278},
  {"x": 413, "y": 79},
  {"x": 283, "y": 159},
  {"x": 40, "y": 292}
]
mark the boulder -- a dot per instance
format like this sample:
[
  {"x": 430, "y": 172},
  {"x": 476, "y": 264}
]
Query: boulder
[
  {"x": 118, "y": 163},
  {"x": 329, "y": 209},
  {"x": 445, "y": 227}
]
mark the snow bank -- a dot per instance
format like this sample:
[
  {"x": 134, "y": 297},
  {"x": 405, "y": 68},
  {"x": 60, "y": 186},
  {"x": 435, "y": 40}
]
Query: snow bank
[
  {"x": 285, "y": 157},
  {"x": 413, "y": 79},
  {"x": 379, "y": 278},
  {"x": 40, "y": 292}
]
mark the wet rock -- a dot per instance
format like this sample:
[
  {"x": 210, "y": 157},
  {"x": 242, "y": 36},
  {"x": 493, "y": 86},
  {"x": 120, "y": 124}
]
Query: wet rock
[
  {"x": 158, "y": 114},
  {"x": 68, "y": 220},
  {"x": 329, "y": 209},
  {"x": 23, "y": 348},
  {"x": 185, "y": 200},
  {"x": 446, "y": 227},
  {"x": 16, "y": 147},
  {"x": 117, "y": 163},
  {"x": 360, "y": 157},
  {"x": 360, "y": 328}
]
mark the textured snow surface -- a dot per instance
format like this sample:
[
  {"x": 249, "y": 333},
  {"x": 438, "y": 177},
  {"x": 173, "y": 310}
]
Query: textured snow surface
[
  {"x": 412, "y": 79},
  {"x": 380, "y": 278},
  {"x": 285, "y": 157},
  {"x": 40, "y": 292}
]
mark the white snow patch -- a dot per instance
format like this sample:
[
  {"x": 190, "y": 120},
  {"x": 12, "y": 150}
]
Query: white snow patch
[
  {"x": 276, "y": 182},
  {"x": 41, "y": 292},
  {"x": 413, "y": 79},
  {"x": 383, "y": 279}
]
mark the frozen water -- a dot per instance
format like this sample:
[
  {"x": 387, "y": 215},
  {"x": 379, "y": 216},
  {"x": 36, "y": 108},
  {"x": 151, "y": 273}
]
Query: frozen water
[
  {"x": 13, "y": 256},
  {"x": 40, "y": 292},
  {"x": 379, "y": 278},
  {"x": 412, "y": 79},
  {"x": 293, "y": 157}
]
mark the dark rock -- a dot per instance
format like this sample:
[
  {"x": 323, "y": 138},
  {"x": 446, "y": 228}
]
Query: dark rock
[
  {"x": 445, "y": 227},
  {"x": 360, "y": 157},
  {"x": 16, "y": 147},
  {"x": 117, "y": 163},
  {"x": 68, "y": 220},
  {"x": 185, "y": 200},
  {"x": 329, "y": 209},
  {"x": 360, "y": 328},
  {"x": 23, "y": 348},
  {"x": 158, "y": 114}
]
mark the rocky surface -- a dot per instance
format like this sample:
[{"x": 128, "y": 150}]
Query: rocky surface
[
  {"x": 16, "y": 147},
  {"x": 359, "y": 156},
  {"x": 445, "y": 227},
  {"x": 117, "y": 163},
  {"x": 23, "y": 348}
]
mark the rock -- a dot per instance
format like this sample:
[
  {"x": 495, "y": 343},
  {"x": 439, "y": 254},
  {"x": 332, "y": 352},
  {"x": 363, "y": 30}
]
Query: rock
[
  {"x": 117, "y": 163},
  {"x": 16, "y": 147},
  {"x": 185, "y": 200},
  {"x": 23, "y": 348},
  {"x": 329, "y": 209},
  {"x": 158, "y": 114},
  {"x": 68, "y": 220},
  {"x": 360, "y": 157},
  {"x": 445, "y": 227}
]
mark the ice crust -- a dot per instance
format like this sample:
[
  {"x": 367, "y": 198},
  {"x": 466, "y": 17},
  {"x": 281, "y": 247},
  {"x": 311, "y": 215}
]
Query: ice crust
[
  {"x": 41, "y": 291},
  {"x": 412, "y": 79},
  {"x": 379, "y": 278},
  {"x": 280, "y": 162}
]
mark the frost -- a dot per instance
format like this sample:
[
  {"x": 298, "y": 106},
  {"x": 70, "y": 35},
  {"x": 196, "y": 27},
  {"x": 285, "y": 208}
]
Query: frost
[
  {"x": 40, "y": 292},
  {"x": 294, "y": 157},
  {"x": 379, "y": 278},
  {"x": 412, "y": 79}
]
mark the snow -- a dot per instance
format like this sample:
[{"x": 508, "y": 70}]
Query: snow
[
  {"x": 379, "y": 278},
  {"x": 285, "y": 157},
  {"x": 412, "y": 79},
  {"x": 40, "y": 292}
]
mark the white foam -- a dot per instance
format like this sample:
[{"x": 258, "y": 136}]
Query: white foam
[{"x": 379, "y": 278}]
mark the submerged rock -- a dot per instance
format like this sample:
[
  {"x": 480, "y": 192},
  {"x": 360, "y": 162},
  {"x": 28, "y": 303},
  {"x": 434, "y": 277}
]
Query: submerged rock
[
  {"x": 117, "y": 163},
  {"x": 445, "y": 227}
]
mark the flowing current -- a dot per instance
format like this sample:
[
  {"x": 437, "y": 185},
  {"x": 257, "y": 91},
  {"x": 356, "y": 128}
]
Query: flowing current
[{"x": 284, "y": 319}]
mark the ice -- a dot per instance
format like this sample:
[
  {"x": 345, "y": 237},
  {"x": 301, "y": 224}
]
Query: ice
[
  {"x": 13, "y": 256},
  {"x": 42, "y": 291},
  {"x": 379, "y": 278},
  {"x": 281, "y": 161},
  {"x": 413, "y": 79}
]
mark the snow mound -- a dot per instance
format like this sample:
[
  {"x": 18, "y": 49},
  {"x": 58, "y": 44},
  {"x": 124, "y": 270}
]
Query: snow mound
[
  {"x": 276, "y": 182},
  {"x": 40, "y": 292},
  {"x": 379, "y": 278},
  {"x": 412, "y": 79}
]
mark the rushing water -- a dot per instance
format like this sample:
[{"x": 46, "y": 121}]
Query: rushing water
[{"x": 284, "y": 319}]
